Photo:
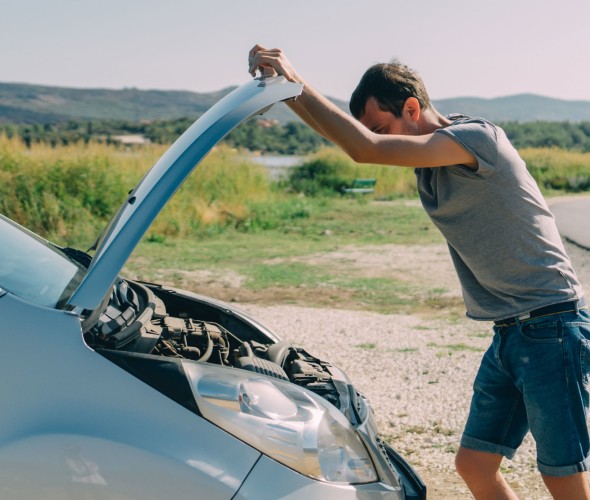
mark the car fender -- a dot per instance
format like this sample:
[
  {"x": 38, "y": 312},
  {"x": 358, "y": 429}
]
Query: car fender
[
  {"x": 57, "y": 385},
  {"x": 72, "y": 466}
]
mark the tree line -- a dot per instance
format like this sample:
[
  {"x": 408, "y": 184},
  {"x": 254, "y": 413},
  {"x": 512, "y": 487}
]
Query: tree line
[{"x": 270, "y": 136}]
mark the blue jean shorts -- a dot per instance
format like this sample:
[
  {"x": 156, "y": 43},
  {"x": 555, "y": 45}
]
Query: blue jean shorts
[{"x": 535, "y": 376}]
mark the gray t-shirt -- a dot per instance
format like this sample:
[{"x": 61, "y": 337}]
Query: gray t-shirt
[{"x": 502, "y": 237}]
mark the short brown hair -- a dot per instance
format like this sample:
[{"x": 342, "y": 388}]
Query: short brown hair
[{"x": 390, "y": 84}]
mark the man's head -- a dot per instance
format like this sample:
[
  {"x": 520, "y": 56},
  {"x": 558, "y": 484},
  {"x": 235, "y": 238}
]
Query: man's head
[{"x": 390, "y": 84}]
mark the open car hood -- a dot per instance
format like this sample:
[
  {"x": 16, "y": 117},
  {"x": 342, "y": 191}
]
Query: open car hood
[{"x": 148, "y": 198}]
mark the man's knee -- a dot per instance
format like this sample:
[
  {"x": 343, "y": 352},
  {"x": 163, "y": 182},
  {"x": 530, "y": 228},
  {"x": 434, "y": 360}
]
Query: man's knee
[
  {"x": 571, "y": 487},
  {"x": 472, "y": 463}
]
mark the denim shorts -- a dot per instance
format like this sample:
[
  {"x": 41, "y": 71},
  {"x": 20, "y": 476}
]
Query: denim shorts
[{"x": 535, "y": 376}]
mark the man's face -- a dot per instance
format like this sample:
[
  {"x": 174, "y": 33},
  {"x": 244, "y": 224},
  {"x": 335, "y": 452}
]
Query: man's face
[{"x": 385, "y": 122}]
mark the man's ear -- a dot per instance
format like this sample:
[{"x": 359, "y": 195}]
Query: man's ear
[{"x": 412, "y": 109}]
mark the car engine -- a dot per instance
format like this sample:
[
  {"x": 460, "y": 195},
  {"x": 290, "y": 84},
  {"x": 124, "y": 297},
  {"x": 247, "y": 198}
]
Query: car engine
[{"x": 158, "y": 321}]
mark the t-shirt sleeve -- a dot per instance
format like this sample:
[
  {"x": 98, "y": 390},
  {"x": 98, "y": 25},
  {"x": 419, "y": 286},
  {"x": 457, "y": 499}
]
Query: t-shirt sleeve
[{"x": 479, "y": 137}]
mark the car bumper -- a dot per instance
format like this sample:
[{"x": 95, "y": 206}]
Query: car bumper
[
  {"x": 391, "y": 467},
  {"x": 413, "y": 486},
  {"x": 270, "y": 480}
]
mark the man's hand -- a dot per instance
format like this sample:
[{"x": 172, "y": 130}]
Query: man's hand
[{"x": 270, "y": 62}]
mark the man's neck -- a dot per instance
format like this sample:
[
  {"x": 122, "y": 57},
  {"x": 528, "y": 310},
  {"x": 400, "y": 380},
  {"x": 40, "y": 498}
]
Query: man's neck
[{"x": 432, "y": 120}]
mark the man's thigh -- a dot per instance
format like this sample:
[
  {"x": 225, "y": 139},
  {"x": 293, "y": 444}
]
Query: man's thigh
[
  {"x": 497, "y": 421},
  {"x": 549, "y": 361}
]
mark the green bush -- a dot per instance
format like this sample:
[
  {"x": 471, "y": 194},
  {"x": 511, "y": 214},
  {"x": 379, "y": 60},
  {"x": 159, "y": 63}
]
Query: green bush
[
  {"x": 324, "y": 174},
  {"x": 68, "y": 194},
  {"x": 67, "y": 197},
  {"x": 329, "y": 171},
  {"x": 558, "y": 170}
]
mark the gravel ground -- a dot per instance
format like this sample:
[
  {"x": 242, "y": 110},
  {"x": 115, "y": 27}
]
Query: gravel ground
[{"x": 417, "y": 373}]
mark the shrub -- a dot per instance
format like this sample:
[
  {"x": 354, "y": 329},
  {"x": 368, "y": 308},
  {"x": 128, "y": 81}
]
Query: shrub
[
  {"x": 328, "y": 172},
  {"x": 558, "y": 169},
  {"x": 325, "y": 173},
  {"x": 68, "y": 193}
]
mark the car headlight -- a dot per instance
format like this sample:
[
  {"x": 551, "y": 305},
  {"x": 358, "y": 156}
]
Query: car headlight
[{"x": 288, "y": 423}]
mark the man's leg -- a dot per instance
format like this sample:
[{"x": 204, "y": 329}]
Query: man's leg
[
  {"x": 574, "y": 487},
  {"x": 555, "y": 382},
  {"x": 496, "y": 424},
  {"x": 481, "y": 472}
]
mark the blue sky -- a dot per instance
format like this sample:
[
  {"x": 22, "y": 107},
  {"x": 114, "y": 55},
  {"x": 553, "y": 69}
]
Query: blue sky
[{"x": 461, "y": 47}]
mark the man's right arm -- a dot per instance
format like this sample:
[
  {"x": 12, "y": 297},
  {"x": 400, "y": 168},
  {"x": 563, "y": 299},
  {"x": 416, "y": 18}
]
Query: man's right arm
[{"x": 362, "y": 145}]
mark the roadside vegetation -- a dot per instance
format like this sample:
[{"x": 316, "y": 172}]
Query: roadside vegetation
[
  {"x": 68, "y": 193},
  {"x": 230, "y": 218}
]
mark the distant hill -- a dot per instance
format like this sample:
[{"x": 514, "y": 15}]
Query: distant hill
[
  {"x": 519, "y": 108},
  {"x": 25, "y": 103}
]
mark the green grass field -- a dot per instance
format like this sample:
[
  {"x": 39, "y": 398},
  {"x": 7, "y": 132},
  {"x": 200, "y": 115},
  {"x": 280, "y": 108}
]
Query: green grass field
[{"x": 292, "y": 263}]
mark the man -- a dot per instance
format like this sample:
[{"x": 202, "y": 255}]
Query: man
[{"x": 509, "y": 258}]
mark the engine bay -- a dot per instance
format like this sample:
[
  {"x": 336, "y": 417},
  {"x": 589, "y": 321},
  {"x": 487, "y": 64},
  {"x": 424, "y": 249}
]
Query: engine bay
[{"x": 157, "y": 321}]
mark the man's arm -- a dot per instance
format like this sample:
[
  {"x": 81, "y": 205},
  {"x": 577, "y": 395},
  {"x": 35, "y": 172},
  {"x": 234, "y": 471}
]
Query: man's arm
[{"x": 362, "y": 145}]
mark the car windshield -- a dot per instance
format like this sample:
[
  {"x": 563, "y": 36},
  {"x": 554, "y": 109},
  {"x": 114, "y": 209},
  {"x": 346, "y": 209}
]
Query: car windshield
[{"x": 33, "y": 269}]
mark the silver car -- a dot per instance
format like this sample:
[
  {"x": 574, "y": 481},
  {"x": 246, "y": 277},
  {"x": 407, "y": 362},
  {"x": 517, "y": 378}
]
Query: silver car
[{"x": 113, "y": 388}]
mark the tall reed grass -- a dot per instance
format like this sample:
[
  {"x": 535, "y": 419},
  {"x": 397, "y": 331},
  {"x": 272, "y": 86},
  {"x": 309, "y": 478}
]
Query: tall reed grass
[
  {"x": 558, "y": 170},
  {"x": 68, "y": 193}
]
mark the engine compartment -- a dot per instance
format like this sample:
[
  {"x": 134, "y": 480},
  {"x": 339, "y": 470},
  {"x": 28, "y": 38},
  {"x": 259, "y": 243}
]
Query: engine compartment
[{"x": 160, "y": 322}]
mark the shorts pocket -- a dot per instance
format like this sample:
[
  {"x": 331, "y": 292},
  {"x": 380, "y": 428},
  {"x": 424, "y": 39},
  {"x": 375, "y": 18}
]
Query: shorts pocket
[
  {"x": 580, "y": 330},
  {"x": 585, "y": 361},
  {"x": 549, "y": 331}
]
